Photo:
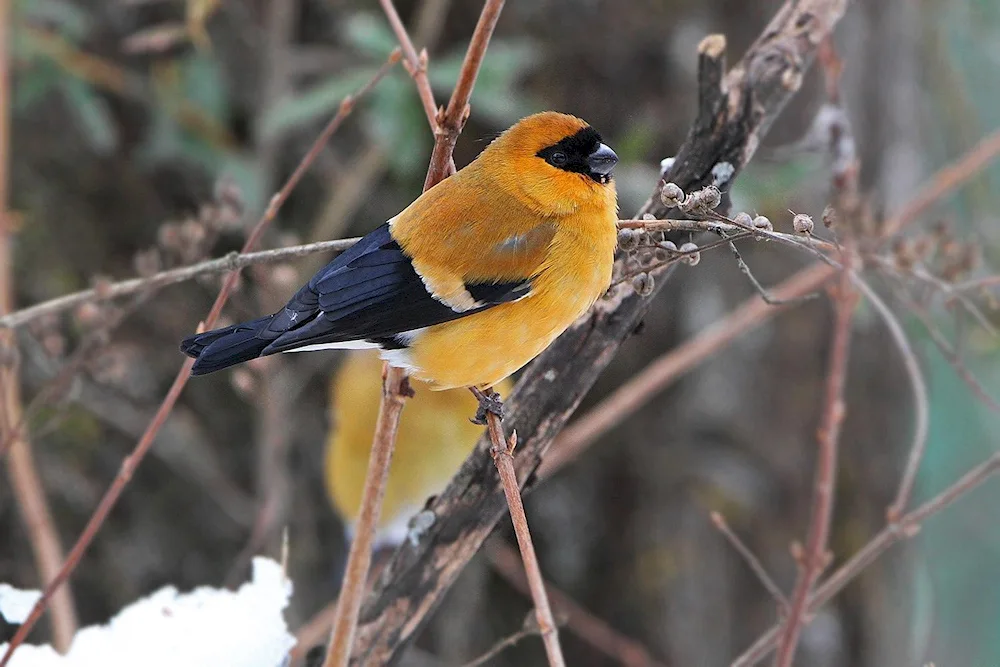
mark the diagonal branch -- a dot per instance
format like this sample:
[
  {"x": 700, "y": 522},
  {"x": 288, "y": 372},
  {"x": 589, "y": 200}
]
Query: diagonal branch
[
  {"x": 502, "y": 452},
  {"x": 658, "y": 375},
  {"x": 907, "y": 526},
  {"x": 29, "y": 494},
  {"x": 816, "y": 557},
  {"x": 142, "y": 447},
  {"x": 395, "y": 388},
  {"x": 731, "y": 123}
]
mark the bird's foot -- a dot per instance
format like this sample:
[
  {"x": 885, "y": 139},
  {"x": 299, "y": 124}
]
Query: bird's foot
[{"x": 489, "y": 403}]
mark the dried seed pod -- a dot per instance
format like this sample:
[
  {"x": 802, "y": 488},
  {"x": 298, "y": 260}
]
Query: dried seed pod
[
  {"x": 761, "y": 222},
  {"x": 803, "y": 224},
  {"x": 88, "y": 315},
  {"x": 743, "y": 219},
  {"x": 147, "y": 262},
  {"x": 711, "y": 197},
  {"x": 691, "y": 252},
  {"x": 648, "y": 217},
  {"x": 643, "y": 284},
  {"x": 168, "y": 236},
  {"x": 902, "y": 254},
  {"x": 628, "y": 240},
  {"x": 829, "y": 216},
  {"x": 669, "y": 246},
  {"x": 671, "y": 195}
]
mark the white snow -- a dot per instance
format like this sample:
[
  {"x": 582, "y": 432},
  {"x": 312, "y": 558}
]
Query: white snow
[
  {"x": 207, "y": 627},
  {"x": 15, "y": 605}
]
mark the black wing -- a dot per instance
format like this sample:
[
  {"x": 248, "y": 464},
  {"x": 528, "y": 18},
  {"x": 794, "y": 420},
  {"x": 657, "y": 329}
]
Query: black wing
[{"x": 371, "y": 292}]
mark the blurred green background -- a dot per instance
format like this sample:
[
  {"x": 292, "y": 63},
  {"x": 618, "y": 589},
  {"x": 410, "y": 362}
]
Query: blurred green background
[{"x": 140, "y": 124}]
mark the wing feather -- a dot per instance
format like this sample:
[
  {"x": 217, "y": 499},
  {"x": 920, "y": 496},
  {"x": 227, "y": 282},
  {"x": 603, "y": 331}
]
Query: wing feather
[{"x": 372, "y": 292}]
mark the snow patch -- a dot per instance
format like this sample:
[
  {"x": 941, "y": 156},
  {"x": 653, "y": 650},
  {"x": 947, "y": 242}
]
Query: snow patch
[{"x": 207, "y": 627}]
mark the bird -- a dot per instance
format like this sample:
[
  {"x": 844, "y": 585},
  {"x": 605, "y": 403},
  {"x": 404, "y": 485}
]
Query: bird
[
  {"x": 472, "y": 280},
  {"x": 435, "y": 435}
]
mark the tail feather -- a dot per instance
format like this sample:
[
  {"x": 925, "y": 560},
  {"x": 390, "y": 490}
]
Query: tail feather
[{"x": 221, "y": 348}]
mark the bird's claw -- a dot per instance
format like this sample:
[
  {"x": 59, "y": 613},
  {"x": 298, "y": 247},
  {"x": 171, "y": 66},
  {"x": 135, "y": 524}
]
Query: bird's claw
[{"x": 489, "y": 403}]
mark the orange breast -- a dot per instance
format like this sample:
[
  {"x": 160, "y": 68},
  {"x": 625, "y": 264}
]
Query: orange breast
[{"x": 482, "y": 349}]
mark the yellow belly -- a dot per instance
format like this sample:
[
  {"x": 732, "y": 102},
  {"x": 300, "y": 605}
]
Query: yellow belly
[{"x": 482, "y": 349}]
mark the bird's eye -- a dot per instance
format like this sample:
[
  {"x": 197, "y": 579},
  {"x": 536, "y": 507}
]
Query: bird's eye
[{"x": 558, "y": 158}]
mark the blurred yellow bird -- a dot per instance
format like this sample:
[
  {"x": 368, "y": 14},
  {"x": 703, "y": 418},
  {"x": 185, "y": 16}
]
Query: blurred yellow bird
[{"x": 435, "y": 436}]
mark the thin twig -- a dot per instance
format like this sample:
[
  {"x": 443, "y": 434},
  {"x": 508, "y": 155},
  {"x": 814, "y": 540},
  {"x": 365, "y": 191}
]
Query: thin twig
[
  {"x": 453, "y": 119},
  {"x": 752, "y": 562},
  {"x": 663, "y": 371},
  {"x": 906, "y": 527},
  {"x": 106, "y": 292},
  {"x": 503, "y": 457},
  {"x": 231, "y": 262},
  {"x": 815, "y": 557},
  {"x": 629, "y": 397},
  {"x": 130, "y": 464},
  {"x": 945, "y": 181},
  {"x": 949, "y": 353},
  {"x": 395, "y": 387},
  {"x": 768, "y": 298},
  {"x": 578, "y": 620},
  {"x": 528, "y": 629},
  {"x": 921, "y": 403},
  {"x": 394, "y": 393},
  {"x": 415, "y": 65},
  {"x": 26, "y": 485}
]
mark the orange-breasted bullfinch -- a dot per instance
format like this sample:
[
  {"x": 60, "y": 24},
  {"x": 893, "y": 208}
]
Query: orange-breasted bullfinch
[
  {"x": 473, "y": 279},
  {"x": 435, "y": 435}
]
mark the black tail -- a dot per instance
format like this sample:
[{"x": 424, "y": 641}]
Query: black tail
[{"x": 222, "y": 348}]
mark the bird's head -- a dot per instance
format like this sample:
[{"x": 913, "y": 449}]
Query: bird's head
[{"x": 558, "y": 161}]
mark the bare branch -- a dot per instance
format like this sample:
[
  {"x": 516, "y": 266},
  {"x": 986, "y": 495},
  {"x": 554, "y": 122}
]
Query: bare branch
[
  {"x": 578, "y": 620},
  {"x": 663, "y": 371},
  {"x": 906, "y": 527},
  {"x": 231, "y": 262},
  {"x": 395, "y": 387},
  {"x": 451, "y": 122},
  {"x": 945, "y": 181},
  {"x": 528, "y": 628},
  {"x": 396, "y": 390},
  {"x": 131, "y": 462},
  {"x": 752, "y": 562},
  {"x": 815, "y": 557},
  {"x": 921, "y": 402},
  {"x": 29, "y": 494},
  {"x": 503, "y": 457}
]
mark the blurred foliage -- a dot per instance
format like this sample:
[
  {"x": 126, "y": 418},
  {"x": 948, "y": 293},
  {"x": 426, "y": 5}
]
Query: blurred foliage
[{"x": 141, "y": 137}]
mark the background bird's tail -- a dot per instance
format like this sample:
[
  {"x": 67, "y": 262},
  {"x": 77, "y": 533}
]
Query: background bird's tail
[{"x": 222, "y": 348}]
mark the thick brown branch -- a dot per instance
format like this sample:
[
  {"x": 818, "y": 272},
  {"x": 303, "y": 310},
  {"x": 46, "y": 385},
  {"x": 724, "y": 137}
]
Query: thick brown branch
[
  {"x": 661, "y": 372},
  {"x": 551, "y": 388}
]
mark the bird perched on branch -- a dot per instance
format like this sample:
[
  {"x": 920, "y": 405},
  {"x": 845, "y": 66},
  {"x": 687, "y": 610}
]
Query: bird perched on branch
[
  {"x": 434, "y": 437},
  {"x": 473, "y": 279}
]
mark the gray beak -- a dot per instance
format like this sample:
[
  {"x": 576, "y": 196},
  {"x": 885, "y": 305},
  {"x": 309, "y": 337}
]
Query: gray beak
[{"x": 602, "y": 161}]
